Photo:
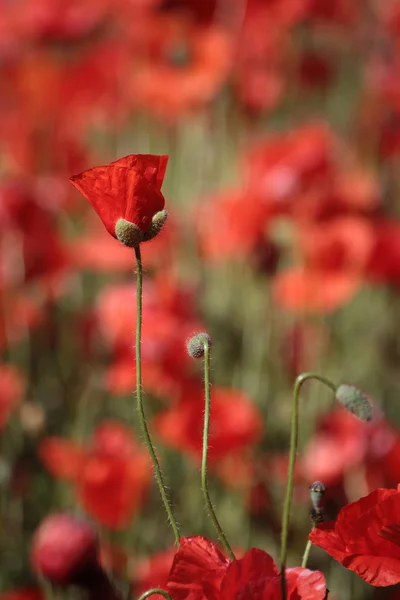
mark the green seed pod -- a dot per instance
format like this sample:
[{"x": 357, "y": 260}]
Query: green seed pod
[
  {"x": 157, "y": 223},
  {"x": 355, "y": 401}
]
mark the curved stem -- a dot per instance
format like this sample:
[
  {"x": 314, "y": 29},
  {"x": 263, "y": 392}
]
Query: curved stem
[
  {"x": 294, "y": 437},
  {"x": 142, "y": 418},
  {"x": 306, "y": 553},
  {"x": 155, "y": 591},
  {"x": 204, "y": 480}
]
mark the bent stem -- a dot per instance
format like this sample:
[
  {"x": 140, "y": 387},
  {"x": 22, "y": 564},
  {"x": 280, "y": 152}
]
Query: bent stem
[
  {"x": 204, "y": 480},
  {"x": 306, "y": 553},
  {"x": 142, "y": 418},
  {"x": 155, "y": 591},
  {"x": 294, "y": 438}
]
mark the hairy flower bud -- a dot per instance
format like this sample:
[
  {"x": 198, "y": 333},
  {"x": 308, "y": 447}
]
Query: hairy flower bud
[
  {"x": 355, "y": 401},
  {"x": 128, "y": 233},
  {"x": 64, "y": 549},
  {"x": 195, "y": 345},
  {"x": 157, "y": 223}
]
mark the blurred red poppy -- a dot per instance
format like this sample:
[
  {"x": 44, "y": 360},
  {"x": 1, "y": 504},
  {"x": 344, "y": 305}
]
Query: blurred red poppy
[
  {"x": 365, "y": 537},
  {"x": 111, "y": 475},
  {"x": 12, "y": 387},
  {"x": 236, "y": 423},
  {"x": 129, "y": 189},
  {"x": 200, "y": 571},
  {"x": 28, "y": 593}
]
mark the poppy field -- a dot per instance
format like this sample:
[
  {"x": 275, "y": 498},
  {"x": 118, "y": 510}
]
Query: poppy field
[{"x": 199, "y": 299}]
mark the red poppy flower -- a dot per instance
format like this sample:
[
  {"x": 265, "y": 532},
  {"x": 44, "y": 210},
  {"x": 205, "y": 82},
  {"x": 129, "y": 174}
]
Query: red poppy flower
[
  {"x": 201, "y": 572},
  {"x": 128, "y": 189},
  {"x": 11, "y": 391},
  {"x": 111, "y": 475},
  {"x": 364, "y": 538}
]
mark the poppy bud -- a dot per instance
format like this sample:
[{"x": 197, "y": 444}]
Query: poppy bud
[
  {"x": 353, "y": 400},
  {"x": 195, "y": 346},
  {"x": 64, "y": 550},
  {"x": 128, "y": 233},
  {"x": 317, "y": 492},
  {"x": 157, "y": 223}
]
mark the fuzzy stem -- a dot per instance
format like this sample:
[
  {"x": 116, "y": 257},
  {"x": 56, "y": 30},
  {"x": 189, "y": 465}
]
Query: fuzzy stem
[
  {"x": 155, "y": 591},
  {"x": 306, "y": 553},
  {"x": 142, "y": 418},
  {"x": 204, "y": 480},
  {"x": 294, "y": 437}
]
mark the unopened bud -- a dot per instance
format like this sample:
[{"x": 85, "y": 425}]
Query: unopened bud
[
  {"x": 195, "y": 346},
  {"x": 317, "y": 491},
  {"x": 157, "y": 223},
  {"x": 128, "y": 233},
  {"x": 355, "y": 401},
  {"x": 64, "y": 549}
]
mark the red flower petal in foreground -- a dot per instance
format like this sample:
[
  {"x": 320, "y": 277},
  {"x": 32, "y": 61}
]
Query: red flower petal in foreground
[
  {"x": 364, "y": 537},
  {"x": 127, "y": 192},
  {"x": 201, "y": 572}
]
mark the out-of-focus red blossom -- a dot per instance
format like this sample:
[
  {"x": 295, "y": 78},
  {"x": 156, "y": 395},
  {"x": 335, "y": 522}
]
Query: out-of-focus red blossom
[
  {"x": 200, "y": 571},
  {"x": 111, "y": 475},
  {"x": 279, "y": 168},
  {"x": 169, "y": 317},
  {"x": 384, "y": 264},
  {"x": 181, "y": 67},
  {"x": 314, "y": 70},
  {"x": 128, "y": 188},
  {"x": 230, "y": 225},
  {"x": 236, "y": 423},
  {"x": 152, "y": 572},
  {"x": 302, "y": 345},
  {"x": 21, "y": 314},
  {"x": 28, "y": 593},
  {"x": 343, "y": 444},
  {"x": 64, "y": 548},
  {"x": 365, "y": 538},
  {"x": 12, "y": 386}
]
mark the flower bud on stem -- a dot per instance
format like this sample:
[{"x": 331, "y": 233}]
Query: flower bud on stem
[
  {"x": 142, "y": 417},
  {"x": 199, "y": 347},
  {"x": 294, "y": 438}
]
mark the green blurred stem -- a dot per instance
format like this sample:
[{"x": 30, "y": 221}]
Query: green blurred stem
[
  {"x": 294, "y": 438},
  {"x": 306, "y": 552},
  {"x": 155, "y": 591},
  {"x": 204, "y": 479},
  {"x": 142, "y": 418}
]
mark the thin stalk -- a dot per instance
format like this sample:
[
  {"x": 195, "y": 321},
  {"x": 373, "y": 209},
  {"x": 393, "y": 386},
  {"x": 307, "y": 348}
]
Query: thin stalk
[
  {"x": 306, "y": 553},
  {"x": 142, "y": 418},
  {"x": 204, "y": 479},
  {"x": 294, "y": 438},
  {"x": 155, "y": 591}
]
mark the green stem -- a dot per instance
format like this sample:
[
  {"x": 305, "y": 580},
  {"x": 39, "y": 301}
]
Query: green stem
[
  {"x": 204, "y": 480},
  {"x": 294, "y": 437},
  {"x": 306, "y": 553},
  {"x": 155, "y": 591},
  {"x": 142, "y": 418}
]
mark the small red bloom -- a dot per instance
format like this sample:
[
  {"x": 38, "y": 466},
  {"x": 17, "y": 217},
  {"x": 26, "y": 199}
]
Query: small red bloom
[
  {"x": 201, "y": 572},
  {"x": 365, "y": 539},
  {"x": 128, "y": 189}
]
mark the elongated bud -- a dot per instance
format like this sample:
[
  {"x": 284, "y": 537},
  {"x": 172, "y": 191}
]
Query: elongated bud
[
  {"x": 355, "y": 401},
  {"x": 195, "y": 346},
  {"x": 157, "y": 223},
  {"x": 317, "y": 492},
  {"x": 128, "y": 233}
]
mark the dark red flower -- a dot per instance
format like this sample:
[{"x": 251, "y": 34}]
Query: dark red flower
[
  {"x": 129, "y": 189},
  {"x": 201, "y": 572},
  {"x": 365, "y": 537},
  {"x": 64, "y": 548}
]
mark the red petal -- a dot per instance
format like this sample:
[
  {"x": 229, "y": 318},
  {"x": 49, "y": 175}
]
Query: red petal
[
  {"x": 197, "y": 562},
  {"x": 62, "y": 458},
  {"x": 380, "y": 571},
  {"x": 310, "y": 585},
  {"x": 249, "y": 576}
]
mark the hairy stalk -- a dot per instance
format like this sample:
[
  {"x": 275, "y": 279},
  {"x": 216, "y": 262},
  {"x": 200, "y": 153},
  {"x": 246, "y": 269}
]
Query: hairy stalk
[
  {"x": 155, "y": 591},
  {"x": 142, "y": 418},
  {"x": 294, "y": 438},
  {"x": 204, "y": 480}
]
